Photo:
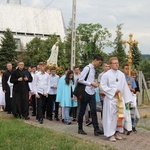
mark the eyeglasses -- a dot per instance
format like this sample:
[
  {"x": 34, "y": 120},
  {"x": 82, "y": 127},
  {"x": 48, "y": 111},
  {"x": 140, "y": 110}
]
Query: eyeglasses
[{"x": 116, "y": 63}]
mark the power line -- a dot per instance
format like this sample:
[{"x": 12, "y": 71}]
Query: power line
[{"x": 36, "y": 15}]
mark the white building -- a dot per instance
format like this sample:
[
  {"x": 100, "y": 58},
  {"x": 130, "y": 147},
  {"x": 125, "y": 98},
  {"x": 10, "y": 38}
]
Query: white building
[{"x": 28, "y": 22}]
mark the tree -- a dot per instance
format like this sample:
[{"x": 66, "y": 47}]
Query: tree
[
  {"x": 8, "y": 49},
  {"x": 136, "y": 56},
  {"x": 144, "y": 67},
  {"x": 92, "y": 40},
  {"x": 119, "y": 50},
  {"x": 39, "y": 50},
  {"x": 34, "y": 52}
]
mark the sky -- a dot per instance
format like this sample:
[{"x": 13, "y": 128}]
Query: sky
[{"x": 133, "y": 14}]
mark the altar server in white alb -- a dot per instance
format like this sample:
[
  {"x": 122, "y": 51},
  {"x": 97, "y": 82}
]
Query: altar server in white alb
[{"x": 112, "y": 83}]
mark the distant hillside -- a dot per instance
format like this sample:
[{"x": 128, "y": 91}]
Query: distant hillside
[{"x": 145, "y": 56}]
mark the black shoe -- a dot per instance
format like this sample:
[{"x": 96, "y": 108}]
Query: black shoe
[
  {"x": 98, "y": 132},
  {"x": 134, "y": 129},
  {"x": 17, "y": 116},
  {"x": 88, "y": 123},
  {"x": 68, "y": 123},
  {"x": 49, "y": 118},
  {"x": 27, "y": 118},
  {"x": 82, "y": 132},
  {"x": 41, "y": 121},
  {"x": 74, "y": 120},
  {"x": 57, "y": 119},
  {"x": 128, "y": 132}
]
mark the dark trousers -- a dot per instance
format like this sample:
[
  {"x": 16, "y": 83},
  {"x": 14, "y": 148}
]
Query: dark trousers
[
  {"x": 50, "y": 106},
  {"x": 34, "y": 104},
  {"x": 20, "y": 103},
  {"x": 41, "y": 106},
  {"x": 8, "y": 101},
  {"x": 102, "y": 103},
  {"x": 92, "y": 102},
  {"x": 74, "y": 112},
  {"x": 78, "y": 107}
]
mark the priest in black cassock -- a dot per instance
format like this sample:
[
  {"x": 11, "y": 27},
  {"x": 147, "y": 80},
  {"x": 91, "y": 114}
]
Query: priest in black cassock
[
  {"x": 20, "y": 78},
  {"x": 6, "y": 88}
]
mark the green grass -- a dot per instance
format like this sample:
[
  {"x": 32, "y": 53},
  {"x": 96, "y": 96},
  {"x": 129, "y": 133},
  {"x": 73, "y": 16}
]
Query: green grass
[
  {"x": 17, "y": 135},
  {"x": 144, "y": 127},
  {"x": 144, "y": 123}
]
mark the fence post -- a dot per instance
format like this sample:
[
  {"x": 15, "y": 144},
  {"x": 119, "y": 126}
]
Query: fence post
[{"x": 140, "y": 86}]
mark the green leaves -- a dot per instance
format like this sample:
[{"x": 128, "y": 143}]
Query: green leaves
[
  {"x": 119, "y": 49},
  {"x": 39, "y": 50},
  {"x": 8, "y": 49},
  {"x": 136, "y": 56},
  {"x": 92, "y": 39}
]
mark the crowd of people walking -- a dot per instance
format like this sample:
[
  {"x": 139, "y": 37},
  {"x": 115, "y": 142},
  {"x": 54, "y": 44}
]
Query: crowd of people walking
[{"x": 48, "y": 93}]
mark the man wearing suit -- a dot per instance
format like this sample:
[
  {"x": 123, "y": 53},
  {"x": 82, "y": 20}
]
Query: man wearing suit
[
  {"x": 6, "y": 87},
  {"x": 20, "y": 78}
]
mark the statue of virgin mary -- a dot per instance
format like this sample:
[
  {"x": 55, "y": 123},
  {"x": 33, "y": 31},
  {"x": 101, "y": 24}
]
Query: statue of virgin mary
[{"x": 52, "y": 60}]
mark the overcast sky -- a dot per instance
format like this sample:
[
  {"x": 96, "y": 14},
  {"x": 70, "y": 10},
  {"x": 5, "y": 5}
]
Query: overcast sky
[{"x": 134, "y": 14}]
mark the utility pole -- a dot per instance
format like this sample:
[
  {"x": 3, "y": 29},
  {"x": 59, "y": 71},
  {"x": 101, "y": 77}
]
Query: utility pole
[
  {"x": 130, "y": 42},
  {"x": 73, "y": 41}
]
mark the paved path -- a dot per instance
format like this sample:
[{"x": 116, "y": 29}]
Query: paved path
[{"x": 135, "y": 141}]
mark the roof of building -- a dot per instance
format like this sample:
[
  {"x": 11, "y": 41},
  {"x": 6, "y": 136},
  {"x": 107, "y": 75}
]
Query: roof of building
[{"x": 25, "y": 19}]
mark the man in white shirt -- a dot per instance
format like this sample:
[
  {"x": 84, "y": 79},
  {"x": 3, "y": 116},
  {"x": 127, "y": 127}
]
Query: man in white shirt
[
  {"x": 89, "y": 96},
  {"x": 41, "y": 88},
  {"x": 106, "y": 67},
  {"x": 54, "y": 78},
  {"x": 32, "y": 93},
  {"x": 113, "y": 82}
]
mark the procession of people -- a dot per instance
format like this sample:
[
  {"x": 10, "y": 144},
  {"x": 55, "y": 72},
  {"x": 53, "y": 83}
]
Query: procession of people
[{"x": 52, "y": 96}]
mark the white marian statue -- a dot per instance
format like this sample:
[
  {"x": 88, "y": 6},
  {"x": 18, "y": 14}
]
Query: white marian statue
[{"x": 54, "y": 55}]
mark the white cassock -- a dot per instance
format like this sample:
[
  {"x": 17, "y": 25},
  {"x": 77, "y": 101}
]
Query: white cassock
[
  {"x": 54, "y": 55},
  {"x": 110, "y": 82}
]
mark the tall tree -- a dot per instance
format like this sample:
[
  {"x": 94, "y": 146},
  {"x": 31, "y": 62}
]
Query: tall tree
[
  {"x": 119, "y": 50},
  {"x": 8, "y": 49},
  {"x": 35, "y": 52},
  {"x": 136, "y": 56},
  {"x": 93, "y": 39}
]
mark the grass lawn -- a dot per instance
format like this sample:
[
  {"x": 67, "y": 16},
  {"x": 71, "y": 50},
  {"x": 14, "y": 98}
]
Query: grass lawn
[{"x": 17, "y": 135}]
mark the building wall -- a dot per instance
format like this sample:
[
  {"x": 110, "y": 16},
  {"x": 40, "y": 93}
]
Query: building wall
[{"x": 28, "y": 22}]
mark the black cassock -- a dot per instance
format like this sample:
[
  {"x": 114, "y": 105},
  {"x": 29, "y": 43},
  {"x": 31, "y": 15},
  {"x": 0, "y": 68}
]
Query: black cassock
[
  {"x": 20, "y": 106},
  {"x": 6, "y": 88}
]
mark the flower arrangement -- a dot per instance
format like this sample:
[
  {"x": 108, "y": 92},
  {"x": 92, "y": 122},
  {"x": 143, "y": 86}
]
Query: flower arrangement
[{"x": 59, "y": 70}]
